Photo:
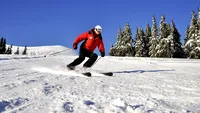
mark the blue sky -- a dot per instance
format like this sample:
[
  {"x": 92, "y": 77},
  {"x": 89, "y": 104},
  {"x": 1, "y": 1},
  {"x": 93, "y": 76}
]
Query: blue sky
[{"x": 59, "y": 22}]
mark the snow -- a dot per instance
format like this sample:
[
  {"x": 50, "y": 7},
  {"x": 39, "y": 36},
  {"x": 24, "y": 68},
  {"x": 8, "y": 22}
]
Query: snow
[
  {"x": 139, "y": 85},
  {"x": 190, "y": 42},
  {"x": 37, "y": 52},
  {"x": 197, "y": 48},
  {"x": 43, "y": 50}
]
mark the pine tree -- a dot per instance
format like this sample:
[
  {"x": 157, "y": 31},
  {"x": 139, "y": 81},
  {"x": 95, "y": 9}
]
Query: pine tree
[
  {"x": 4, "y": 45},
  {"x": 140, "y": 44},
  {"x": 123, "y": 46},
  {"x": 199, "y": 19},
  {"x": 164, "y": 47},
  {"x": 135, "y": 42},
  {"x": 154, "y": 39},
  {"x": 148, "y": 31},
  {"x": 127, "y": 35},
  {"x": 17, "y": 52},
  {"x": 197, "y": 38},
  {"x": 176, "y": 47},
  {"x": 190, "y": 43},
  {"x": 192, "y": 46},
  {"x": 148, "y": 35},
  {"x": 116, "y": 46},
  {"x": 127, "y": 41},
  {"x": 119, "y": 36},
  {"x": 9, "y": 50},
  {"x": 164, "y": 28},
  {"x": 193, "y": 26},
  {"x": 25, "y": 51},
  {"x": 1, "y": 46},
  {"x": 186, "y": 35}
]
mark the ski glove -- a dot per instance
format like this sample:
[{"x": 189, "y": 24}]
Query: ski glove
[
  {"x": 75, "y": 46},
  {"x": 102, "y": 54}
]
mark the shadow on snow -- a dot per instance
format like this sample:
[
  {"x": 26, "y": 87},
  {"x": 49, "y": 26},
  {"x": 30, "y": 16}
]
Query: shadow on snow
[{"x": 141, "y": 71}]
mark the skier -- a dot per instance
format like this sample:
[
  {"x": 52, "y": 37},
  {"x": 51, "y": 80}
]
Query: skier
[{"x": 92, "y": 39}]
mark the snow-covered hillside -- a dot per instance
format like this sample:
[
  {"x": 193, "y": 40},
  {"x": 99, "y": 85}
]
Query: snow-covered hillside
[
  {"x": 38, "y": 51},
  {"x": 44, "y": 50},
  {"x": 139, "y": 85}
]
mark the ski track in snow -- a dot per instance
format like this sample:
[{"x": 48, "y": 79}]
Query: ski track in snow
[{"x": 139, "y": 85}]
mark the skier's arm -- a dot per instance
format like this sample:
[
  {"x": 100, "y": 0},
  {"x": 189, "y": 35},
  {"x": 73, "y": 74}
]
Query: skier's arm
[
  {"x": 101, "y": 47},
  {"x": 81, "y": 38}
]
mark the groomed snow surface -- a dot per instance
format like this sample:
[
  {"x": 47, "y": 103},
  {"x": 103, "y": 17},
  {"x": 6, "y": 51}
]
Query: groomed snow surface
[{"x": 32, "y": 84}]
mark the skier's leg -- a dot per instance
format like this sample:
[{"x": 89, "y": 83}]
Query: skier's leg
[
  {"x": 78, "y": 60},
  {"x": 92, "y": 58}
]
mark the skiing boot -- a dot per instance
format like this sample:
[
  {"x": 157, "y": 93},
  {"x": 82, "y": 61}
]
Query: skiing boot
[{"x": 70, "y": 67}]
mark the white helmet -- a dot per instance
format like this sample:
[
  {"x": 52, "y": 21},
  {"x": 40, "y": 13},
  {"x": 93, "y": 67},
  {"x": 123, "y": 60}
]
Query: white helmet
[{"x": 98, "y": 28}]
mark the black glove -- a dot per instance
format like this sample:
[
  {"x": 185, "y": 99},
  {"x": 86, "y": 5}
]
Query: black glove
[
  {"x": 102, "y": 54},
  {"x": 75, "y": 46}
]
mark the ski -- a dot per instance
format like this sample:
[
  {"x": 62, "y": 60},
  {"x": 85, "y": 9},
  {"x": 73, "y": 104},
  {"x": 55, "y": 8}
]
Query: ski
[
  {"x": 107, "y": 73},
  {"x": 87, "y": 74}
]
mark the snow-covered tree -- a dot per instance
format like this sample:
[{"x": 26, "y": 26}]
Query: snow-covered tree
[
  {"x": 153, "y": 39},
  {"x": 127, "y": 36},
  {"x": 123, "y": 47},
  {"x": 198, "y": 19},
  {"x": 128, "y": 40},
  {"x": 192, "y": 46},
  {"x": 136, "y": 38},
  {"x": 140, "y": 44},
  {"x": 25, "y": 51},
  {"x": 3, "y": 45},
  {"x": 148, "y": 31},
  {"x": 17, "y": 52},
  {"x": 116, "y": 46},
  {"x": 189, "y": 40},
  {"x": 176, "y": 47},
  {"x": 164, "y": 28},
  {"x": 197, "y": 37},
  {"x": 9, "y": 50},
  {"x": 148, "y": 36},
  {"x": 164, "y": 47},
  {"x": 186, "y": 34},
  {"x": 119, "y": 36}
]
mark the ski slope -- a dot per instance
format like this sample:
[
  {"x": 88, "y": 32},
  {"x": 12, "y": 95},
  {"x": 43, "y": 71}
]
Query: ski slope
[{"x": 139, "y": 85}]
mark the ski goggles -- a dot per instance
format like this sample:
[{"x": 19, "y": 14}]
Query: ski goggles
[{"x": 98, "y": 30}]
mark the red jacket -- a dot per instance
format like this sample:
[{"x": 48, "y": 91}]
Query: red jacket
[{"x": 92, "y": 40}]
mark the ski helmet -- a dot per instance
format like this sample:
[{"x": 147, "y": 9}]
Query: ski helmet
[{"x": 98, "y": 28}]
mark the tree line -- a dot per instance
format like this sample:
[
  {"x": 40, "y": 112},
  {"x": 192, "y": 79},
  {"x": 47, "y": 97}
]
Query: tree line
[
  {"x": 163, "y": 41},
  {"x": 4, "y": 50}
]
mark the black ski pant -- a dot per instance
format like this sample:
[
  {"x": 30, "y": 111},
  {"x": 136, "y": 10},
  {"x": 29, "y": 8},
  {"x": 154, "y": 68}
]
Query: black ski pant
[{"x": 82, "y": 54}]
